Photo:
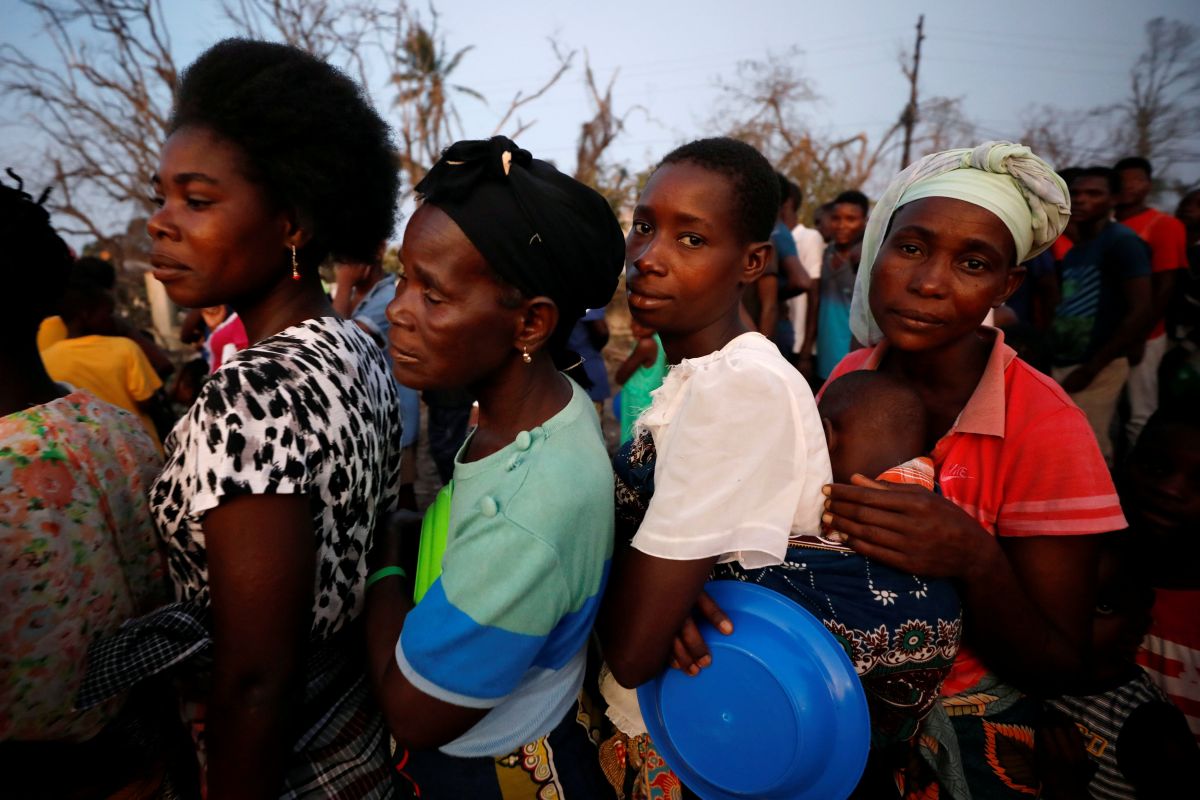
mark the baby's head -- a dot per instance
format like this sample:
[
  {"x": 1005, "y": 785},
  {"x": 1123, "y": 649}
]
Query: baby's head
[{"x": 873, "y": 422}]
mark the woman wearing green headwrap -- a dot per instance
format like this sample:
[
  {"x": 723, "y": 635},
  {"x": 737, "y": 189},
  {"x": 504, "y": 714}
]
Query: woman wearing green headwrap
[{"x": 1023, "y": 483}]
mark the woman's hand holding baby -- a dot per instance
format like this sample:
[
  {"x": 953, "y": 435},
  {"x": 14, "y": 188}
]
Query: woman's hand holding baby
[{"x": 907, "y": 527}]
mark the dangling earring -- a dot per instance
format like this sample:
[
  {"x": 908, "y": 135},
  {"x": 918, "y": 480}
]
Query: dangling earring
[
  {"x": 295, "y": 265},
  {"x": 528, "y": 359}
]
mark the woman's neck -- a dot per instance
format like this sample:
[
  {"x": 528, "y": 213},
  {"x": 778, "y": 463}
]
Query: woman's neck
[
  {"x": 285, "y": 304},
  {"x": 709, "y": 339},
  {"x": 945, "y": 378},
  {"x": 24, "y": 382},
  {"x": 520, "y": 398}
]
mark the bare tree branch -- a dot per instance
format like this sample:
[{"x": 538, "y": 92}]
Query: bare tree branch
[
  {"x": 103, "y": 106},
  {"x": 596, "y": 135},
  {"x": 521, "y": 99},
  {"x": 1156, "y": 120},
  {"x": 766, "y": 107}
]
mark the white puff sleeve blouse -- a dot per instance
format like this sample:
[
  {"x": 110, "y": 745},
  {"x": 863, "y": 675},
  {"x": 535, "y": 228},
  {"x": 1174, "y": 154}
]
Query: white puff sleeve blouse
[{"x": 741, "y": 458}]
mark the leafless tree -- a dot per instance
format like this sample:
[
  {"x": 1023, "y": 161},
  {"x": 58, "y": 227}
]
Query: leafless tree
[
  {"x": 766, "y": 107},
  {"x": 420, "y": 71},
  {"x": 1067, "y": 138},
  {"x": 103, "y": 106},
  {"x": 1158, "y": 119},
  {"x": 521, "y": 99},
  {"x": 1162, "y": 110},
  {"x": 343, "y": 32},
  {"x": 596, "y": 135}
]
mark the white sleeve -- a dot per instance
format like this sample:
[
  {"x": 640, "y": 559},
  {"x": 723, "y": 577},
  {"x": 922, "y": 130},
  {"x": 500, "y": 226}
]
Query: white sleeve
[
  {"x": 811, "y": 248},
  {"x": 740, "y": 466}
]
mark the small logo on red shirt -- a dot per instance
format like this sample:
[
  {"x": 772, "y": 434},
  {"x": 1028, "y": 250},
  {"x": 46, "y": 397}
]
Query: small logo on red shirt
[{"x": 954, "y": 472}]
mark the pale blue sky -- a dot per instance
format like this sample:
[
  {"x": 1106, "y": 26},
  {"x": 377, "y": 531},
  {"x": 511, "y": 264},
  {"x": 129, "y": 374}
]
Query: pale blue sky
[{"x": 1002, "y": 57}]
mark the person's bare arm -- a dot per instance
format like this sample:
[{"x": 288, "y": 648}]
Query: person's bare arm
[
  {"x": 1162, "y": 288},
  {"x": 767, "y": 287},
  {"x": 644, "y": 609},
  {"x": 798, "y": 278},
  {"x": 416, "y": 720},
  {"x": 261, "y": 569},
  {"x": 810, "y": 318},
  {"x": 348, "y": 279},
  {"x": 644, "y": 354},
  {"x": 1129, "y": 334}
]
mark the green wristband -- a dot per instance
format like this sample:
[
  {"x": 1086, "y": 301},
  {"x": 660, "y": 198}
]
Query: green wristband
[{"x": 384, "y": 572}]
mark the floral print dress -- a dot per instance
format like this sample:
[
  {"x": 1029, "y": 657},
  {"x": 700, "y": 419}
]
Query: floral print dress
[{"x": 78, "y": 555}]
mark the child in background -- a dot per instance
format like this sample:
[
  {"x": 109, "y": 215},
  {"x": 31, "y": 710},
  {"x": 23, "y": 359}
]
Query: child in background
[
  {"x": 1137, "y": 739},
  {"x": 587, "y": 339},
  {"x": 828, "y": 323},
  {"x": 640, "y": 374},
  {"x": 96, "y": 358},
  {"x": 227, "y": 338},
  {"x": 1161, "y": 492}
]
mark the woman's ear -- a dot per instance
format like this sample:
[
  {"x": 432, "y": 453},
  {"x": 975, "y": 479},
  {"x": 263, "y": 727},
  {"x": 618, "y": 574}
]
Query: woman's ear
[
  {"x": 297, "y": 230},
  {"x": 537, "y": 321},
  {"x": 1013, "y": 281},
  {"x": 758, "y": 257}
]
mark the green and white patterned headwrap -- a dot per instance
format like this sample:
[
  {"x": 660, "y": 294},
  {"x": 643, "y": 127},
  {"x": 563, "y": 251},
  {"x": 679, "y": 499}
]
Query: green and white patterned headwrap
[{"x": 1005, "y": 178}]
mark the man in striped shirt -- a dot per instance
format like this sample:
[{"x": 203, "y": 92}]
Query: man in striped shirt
[{"x": 1105, "y": 312}]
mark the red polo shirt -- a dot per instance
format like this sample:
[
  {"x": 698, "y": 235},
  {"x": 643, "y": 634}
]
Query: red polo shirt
[
  {"x": 1167, "y": 239},
  {"x": 1020, "y": 459}
]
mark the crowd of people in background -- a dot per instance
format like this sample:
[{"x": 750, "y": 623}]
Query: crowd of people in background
[{"x": 966, "y": 414}]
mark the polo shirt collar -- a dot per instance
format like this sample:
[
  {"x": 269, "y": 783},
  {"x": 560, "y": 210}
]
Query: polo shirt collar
[{"x": 985, "y": 410}]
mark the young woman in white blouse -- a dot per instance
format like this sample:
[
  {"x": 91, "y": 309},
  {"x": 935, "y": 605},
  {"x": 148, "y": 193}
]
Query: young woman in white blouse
[{"x": 727, "y": 465}]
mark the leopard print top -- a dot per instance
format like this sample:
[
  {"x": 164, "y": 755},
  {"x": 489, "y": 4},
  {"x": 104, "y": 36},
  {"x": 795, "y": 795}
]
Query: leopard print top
[{"x": 311, "y": 410}]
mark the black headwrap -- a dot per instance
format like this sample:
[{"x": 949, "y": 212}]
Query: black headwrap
[{"x": 542, "y": 231}]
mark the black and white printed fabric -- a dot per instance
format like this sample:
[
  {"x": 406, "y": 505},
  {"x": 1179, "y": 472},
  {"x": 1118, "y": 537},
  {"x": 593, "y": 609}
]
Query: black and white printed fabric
[{"x": 311, "y": 410}]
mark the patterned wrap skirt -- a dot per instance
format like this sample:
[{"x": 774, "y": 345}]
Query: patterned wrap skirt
[{"x": 561, "y": 764}]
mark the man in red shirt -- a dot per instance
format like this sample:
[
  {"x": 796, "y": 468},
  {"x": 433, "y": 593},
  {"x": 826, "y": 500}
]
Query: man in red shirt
[{"x": 1167, "y": 241}]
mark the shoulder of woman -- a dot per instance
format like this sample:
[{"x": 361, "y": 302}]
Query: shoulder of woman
[{"x": 1032, "y": 397}]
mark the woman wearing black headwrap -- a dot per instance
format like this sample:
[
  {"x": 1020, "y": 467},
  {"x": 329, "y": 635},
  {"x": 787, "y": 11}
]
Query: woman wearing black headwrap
[{"x": 478, "y": 681}]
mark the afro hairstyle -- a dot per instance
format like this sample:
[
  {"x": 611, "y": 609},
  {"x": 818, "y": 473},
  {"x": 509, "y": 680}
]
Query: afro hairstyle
[{"x": 309, "y": 135}]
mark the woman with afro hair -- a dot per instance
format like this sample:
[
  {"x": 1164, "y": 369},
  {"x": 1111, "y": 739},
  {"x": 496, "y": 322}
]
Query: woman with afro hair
[{"x": 275, "y": 478}]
